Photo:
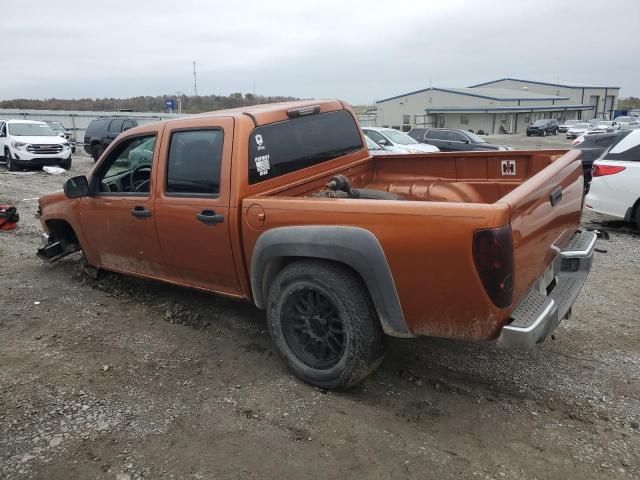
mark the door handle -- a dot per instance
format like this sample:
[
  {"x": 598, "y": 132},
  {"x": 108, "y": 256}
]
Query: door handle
[
  {"x": 209, "y": 217},
  {"x": 140, "y": 212}
]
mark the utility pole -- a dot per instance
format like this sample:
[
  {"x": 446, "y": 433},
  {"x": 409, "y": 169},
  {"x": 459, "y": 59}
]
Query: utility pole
[
  {"x": 195, "y": 86},
  {"x": 179, "y": 99}
]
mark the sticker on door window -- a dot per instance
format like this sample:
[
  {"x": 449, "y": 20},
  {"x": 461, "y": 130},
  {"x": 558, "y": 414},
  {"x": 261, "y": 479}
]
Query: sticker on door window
[
  {"x": 508, "y": 167},
  {"x": 259, "y": 142},
  {"x": 262, "y": 164}
]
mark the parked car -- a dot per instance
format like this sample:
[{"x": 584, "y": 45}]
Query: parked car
[
  {"x": 375, "y": 149},
  {"x": 607, "y": 125},
  {"x": 142, "y": 154},
  {"x": 579, "y": 129},
  {"x": 390, "y": 137},
  {"x": 453, "y": 140},
  {"x": 283, "y": 206},
  {"x": 543, "y": 127},
  {"x": 63, "y": 132},
  {"x": 615, "y": 183},
  {"x": 28, "y": 143},
  {"x": 567, "y": 124},
  {"x": 592, "y": 147},
  {"x": 104, "y": 130},
  {"x": 626, "y": 121}
]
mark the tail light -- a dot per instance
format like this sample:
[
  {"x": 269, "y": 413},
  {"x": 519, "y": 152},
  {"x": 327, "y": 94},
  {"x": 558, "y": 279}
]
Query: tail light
[
  {"x": 493, "y": 256},
  {"x": 602, "y": 170}
]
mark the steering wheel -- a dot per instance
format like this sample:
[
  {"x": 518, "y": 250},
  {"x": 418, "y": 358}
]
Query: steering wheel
[{"x": 138, "y": 184}]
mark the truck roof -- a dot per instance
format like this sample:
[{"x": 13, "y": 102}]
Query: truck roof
[{"x": 273, "y": 112}]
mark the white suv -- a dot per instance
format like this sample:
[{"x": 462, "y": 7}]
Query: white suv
[
  {"x": 26, "y": 143},
  {"x": 615, "y": 186}
]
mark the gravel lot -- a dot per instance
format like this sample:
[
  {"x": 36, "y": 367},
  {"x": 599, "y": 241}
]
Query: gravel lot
[{"x": 118, "y": 378}]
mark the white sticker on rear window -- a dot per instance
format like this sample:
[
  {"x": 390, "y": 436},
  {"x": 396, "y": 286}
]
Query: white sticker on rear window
[
  {"x": 508, "y": 167},
  {"x": 262, "y": 164},
  {"x": 259, "y": 142}
]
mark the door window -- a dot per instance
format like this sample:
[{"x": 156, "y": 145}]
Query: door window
[
  {"x": 456, "y": 137},
  {"x": 127, "y": 125},
  {"x": 127, "y": 169},
  {"x": 375, "y": 136},
  {"x": 115, "y": 126},
  {"x": 438, "y": 134},
  {"x": 195, "y": 159}
]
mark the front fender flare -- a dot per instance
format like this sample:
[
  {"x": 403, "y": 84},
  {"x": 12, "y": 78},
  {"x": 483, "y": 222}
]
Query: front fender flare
[{"x": 352, "y": 246}]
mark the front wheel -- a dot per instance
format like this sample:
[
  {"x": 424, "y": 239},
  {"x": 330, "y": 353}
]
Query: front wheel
[
  {"x": 544, "y": 133},
  {"x": 66, "y": 164},
  {"x": 11, "y": 166},
  {"x": 324, "y": 325}
]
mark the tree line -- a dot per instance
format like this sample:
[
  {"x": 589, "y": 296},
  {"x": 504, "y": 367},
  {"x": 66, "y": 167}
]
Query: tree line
[{"x": 190, "y": 104}]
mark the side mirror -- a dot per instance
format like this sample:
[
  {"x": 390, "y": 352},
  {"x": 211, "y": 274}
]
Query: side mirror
[
  {"x": 465, "y": 141},
  {"x": 383, "y": 142},
  {"x": 76, "y": 187}
]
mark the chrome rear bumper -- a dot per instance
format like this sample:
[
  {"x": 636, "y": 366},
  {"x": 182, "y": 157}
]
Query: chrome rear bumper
[{"x": 539, "y": 312}]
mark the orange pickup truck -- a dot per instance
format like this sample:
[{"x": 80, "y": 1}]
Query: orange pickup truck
[{"x": 282, "y": 205}]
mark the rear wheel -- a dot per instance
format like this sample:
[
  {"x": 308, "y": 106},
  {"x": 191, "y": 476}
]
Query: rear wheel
[
  {"x": 324, "y": 325},
  {"x": 637, "y": 215}
]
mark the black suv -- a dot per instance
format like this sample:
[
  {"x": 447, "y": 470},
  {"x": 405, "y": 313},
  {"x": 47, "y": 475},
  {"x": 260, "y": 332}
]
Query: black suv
[
  {"x": 453, "y": 140},
  {"x": 543, "y": 127},
  {"x": 104, "y": 130}
]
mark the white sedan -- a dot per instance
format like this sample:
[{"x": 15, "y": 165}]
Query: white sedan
[
  {"x": 615, "y": 186},
  {"x": 390, "y": 137}
]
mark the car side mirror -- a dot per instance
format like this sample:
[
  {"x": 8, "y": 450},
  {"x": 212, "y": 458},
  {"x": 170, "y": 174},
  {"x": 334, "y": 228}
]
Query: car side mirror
[
  {"x": 383, "y": 142},
  {"x": 465, "y": 141},
  {"x": 76, "y": 187}
]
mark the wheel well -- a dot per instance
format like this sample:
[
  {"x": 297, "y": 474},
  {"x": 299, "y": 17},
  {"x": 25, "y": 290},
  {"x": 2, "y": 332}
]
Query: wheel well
[
  {"x": 61, "y": 231},
  {"x": 276, "y": 265}
]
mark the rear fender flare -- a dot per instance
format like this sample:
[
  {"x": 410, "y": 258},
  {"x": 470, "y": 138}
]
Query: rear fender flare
[{"x": 354, "y": 247}]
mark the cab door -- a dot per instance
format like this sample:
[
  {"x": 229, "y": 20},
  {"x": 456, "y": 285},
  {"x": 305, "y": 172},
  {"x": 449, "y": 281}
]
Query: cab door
[
  {"x": 192, "y": 204},
  {"x": 118, "y": 215}
]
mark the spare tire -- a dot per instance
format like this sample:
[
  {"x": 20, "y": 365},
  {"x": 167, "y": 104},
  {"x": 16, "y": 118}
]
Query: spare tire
[{"x": 372, "y": 194}]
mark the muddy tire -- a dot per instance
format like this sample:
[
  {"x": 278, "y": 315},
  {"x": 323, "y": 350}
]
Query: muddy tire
[
  {"x": 324, "y": 325},
  {"x": 66, "y": 164}
]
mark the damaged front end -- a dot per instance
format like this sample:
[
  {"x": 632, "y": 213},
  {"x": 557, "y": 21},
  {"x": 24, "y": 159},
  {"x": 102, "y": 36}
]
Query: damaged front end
[{"x": 59, "y": 242}]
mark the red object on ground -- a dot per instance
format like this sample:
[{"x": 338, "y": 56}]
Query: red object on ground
[{"x": 8, "y": 217}]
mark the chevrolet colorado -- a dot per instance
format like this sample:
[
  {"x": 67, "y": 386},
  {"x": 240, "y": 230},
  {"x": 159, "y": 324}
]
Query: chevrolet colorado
[{"x": 283, "y": 206}]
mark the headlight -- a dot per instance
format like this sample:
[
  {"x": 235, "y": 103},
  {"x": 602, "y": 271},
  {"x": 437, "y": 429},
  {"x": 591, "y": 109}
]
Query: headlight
[
  {"x": 18, "y": 145},
  {"x": 65, "y": 145}
]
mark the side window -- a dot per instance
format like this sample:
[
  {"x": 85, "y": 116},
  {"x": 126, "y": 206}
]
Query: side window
[
  {"x": 127, "y": 125},
  {"x": 194, "y": 163},
  {"x": 375, "y": 136},
  {"x": 128, "y": 167},
  {"x": 115, "y": 126},
  {"x": 456, "y": 137},
  {"x": 3, "y": 129},
  {"x": 440, "y": 134}
]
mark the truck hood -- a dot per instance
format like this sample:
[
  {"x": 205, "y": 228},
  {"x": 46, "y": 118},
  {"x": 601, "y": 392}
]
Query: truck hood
[{"x": 57, "y": 140}]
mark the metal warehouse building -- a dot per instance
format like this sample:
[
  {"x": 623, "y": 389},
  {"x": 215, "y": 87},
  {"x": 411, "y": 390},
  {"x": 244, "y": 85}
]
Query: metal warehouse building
[{"x": 507, "y": 104}]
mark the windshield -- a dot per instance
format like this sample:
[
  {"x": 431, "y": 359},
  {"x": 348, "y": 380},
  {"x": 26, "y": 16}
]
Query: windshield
[
  {"x": 607, "y": 123},
  {"x": 371, "y": 145},
  {"x": 398, "y": 137},
  {"x": 623, "y": 119},
  {"x": 56, "y": 126},
  {"x": 31, "y": 130},
  {"x": 582, "y": 125},
  {"x": 537, "y": 123},
  {"x": 571, "y": 122},
  {"x": 475, "y": 138}
]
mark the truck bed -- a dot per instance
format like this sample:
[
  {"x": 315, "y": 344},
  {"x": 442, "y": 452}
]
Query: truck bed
[{"x": 446, "y": 198}]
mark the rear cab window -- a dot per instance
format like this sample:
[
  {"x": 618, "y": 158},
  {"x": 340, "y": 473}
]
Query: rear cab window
[{"x": 284, "y": 147}]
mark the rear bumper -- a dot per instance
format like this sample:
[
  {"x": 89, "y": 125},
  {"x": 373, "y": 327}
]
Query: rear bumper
[{"x": 539, "y": 313}]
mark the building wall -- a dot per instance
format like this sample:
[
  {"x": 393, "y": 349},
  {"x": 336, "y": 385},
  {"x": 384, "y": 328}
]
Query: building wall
[{"x": 577, "y": 95}]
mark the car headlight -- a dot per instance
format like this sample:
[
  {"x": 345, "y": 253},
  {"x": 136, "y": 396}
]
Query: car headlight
[
  {"x": 18, "y": 145},
  {"x": 65, "y": 145}
]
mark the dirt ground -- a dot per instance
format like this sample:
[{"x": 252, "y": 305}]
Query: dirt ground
[{"x": 116, "y": 378}]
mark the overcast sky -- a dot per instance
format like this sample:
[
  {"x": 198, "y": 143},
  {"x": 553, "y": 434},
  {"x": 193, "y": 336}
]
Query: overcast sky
[{"x": 354, "y": 50}]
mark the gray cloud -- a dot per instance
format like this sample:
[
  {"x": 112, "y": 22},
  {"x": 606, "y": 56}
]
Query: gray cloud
[{"x": 357, "y": 50}]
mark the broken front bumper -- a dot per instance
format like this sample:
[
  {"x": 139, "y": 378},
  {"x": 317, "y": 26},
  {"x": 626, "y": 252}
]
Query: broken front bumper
[{"x": 543, "y": 308}]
